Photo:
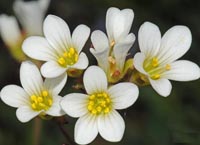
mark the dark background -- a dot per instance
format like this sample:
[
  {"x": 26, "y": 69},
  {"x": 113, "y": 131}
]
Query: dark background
[{"x": 152, "y": 120}]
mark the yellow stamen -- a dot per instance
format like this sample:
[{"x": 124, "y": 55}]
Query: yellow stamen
[
  {"x": 156, "y": 76},
  {"x": 44, "y": 93},
  {"x": 107, "y": 110},
  {"x": 61, "y": 61},
  {"x": 167, "y": 67},
  {"x": 71, "y": 51},
  {"x": 39, "y": 99},
  {"x": 155, "y": 62}
]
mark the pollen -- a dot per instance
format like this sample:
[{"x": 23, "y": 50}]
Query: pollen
[
  {"x": 154, "y": 62},
  {"x": 99, "y": 103},
  {"x": 68, "y": 58},
  {"x": 156, "y": 76},
  {"x": 167, "y": 67},
  {"x": 41, "y": 102}
]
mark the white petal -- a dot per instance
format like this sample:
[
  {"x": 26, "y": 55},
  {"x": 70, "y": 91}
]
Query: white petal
[
  {"x": 102, "y": 58},
  {"x": 175, "y": 43},
  {"x": 162, "y": 86},
  {"x": 138, "y": 61},
  {"x": 99, "y": 41},
  {"x": 30, "y": 78},
  {"x": 56, "y": 84},
  {"x": 55, "y": 109},
  {"x": 10, "y": 31},
  {"x": 75, "y": 104},
  {"x": 57, "y": 33},
  {"x": 123, "y": 95},
  {"x": 111, "y": 126},
  {"x": 52, "y": 69},
  {"x": 31, "y": 15},
  {"x": 149, "y": 38},
  {"x": 118, "y": 23},
  {"x": 95, "y": 80},
  {"x": 44, "y": 4},
  {"x": 85, "y": 129},
  {"x": 183, "y": 70},
  {"x": 121, "y": 50},
  {"x": 110, "y": 21},
  {"x": 38, "y": 48},
  {"x": 25, "y": 114},
  {"x": 82, "y": 62},
  {"x": 80, "y": 36},
  {"x": 14, "y": 96}
]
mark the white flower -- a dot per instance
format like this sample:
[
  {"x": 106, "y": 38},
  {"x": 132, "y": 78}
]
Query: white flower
[
  {"x": 36, "y": 97},
  {"x": 61, "y": 50},
  {"x": 31, "y": 15},
  {"x": 111, "y": 51},
  {"x": 157, "y": 59},
  {"x": 10, "y": 31},
  {"x": 96, "y": 109}
]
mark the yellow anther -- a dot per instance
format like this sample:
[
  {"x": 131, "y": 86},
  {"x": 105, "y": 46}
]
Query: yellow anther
[
  {"x": 65, "y": 54},
  {"x": 99, "y": 95},
  {"x": 76, "y": 57},
  {"x": 89, "y": 107},
  {"x": 112, "y": 43},
  {"x": 94, "y": 111},
  {"x": 155, "y": 62},
  {"x": 167, "y": 67},
  {"x": 33, "y": 106},
  {"x": 71, "y": 51},
  {"x": 40, "y": 99},
  {"x": 111, "y": 60},
  {"x": 42, "y": 105},
  {"x": 156, "y": 76},
  {"x": 99, "y": 109},
  {"x": 50, "y": 102},
  {"x": 108, "y": 100},
  {"x": 61, "y": 61},
  {"x": 92, "y": 97},
  {"x": 44, "y": 93},
  {"x": 91, "y": 103},
  {"x": 33, "y": 98},
  {"x": 103, "y": 103},
  {"x": 107, "y": 110},
  {"x": 105, "y": 95}
]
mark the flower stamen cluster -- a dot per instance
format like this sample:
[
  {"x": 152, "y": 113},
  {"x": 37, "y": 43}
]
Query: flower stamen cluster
[{"x": 99, "y": 103}]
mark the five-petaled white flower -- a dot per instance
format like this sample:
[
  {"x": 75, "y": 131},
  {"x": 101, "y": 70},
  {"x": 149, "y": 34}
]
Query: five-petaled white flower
[
  {"x": 36, "y": 97},
  {"x": 157, "y": 59},
  {"x": 96, "y": 109},
  {"x": 111, "y": 51},
  {"x": 58, "y": 48}
]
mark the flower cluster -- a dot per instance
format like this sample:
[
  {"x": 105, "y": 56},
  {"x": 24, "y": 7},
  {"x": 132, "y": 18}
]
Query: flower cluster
[{"x": 110, "y": 86}]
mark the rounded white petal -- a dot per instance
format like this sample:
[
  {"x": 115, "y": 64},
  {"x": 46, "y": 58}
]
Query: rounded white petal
[
  {"x": 95, "y": 80},
  {"x": 99, "y": 41},
  {"x": 101, "y": 57},
  {"x": 55, "y": 109},
  {"x": 82, "y": 62},
  {"x": 56, "y": 84},
  {"x": 183, "y": 70},
  {"x": 121, "y": 50},
  {"x": 149, "y": 38},
  {"x": 57, "y": 33},
  {"x": 38, "y": 47},
  {"x": 162, "y": 86},
  {"x": 9, "y": 30},
  {"x": 110, "y": 21},
  {"x": 75, "y": 104},
  {"x": 52, "y": 69},
  {"x": 175, "y": 43},
  {"x": 138, "y": 61},
  {"x": 80, "y": 36},
  {"x": 14, "y": 96},
  {"x": 111, "y": 126},
  {"x": 123, "y": 95},
  {"x": 31, "y": 15},
  {"x": 30, "y": 78},
  {"x": 86, "y": 129},
  {"x": 25, "y": 114}
]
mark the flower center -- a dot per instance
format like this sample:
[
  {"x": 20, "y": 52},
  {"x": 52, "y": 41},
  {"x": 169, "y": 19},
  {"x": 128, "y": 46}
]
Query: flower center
[
  {"x": 41, "y": 102},
  {"x": 99, "y": 103},
  {"x": 69, "y": 57},
  {"x": 154, "y": 69}
]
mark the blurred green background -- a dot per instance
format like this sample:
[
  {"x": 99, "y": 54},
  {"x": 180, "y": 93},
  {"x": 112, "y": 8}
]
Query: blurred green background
[{"x": 152, "y": 120}]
